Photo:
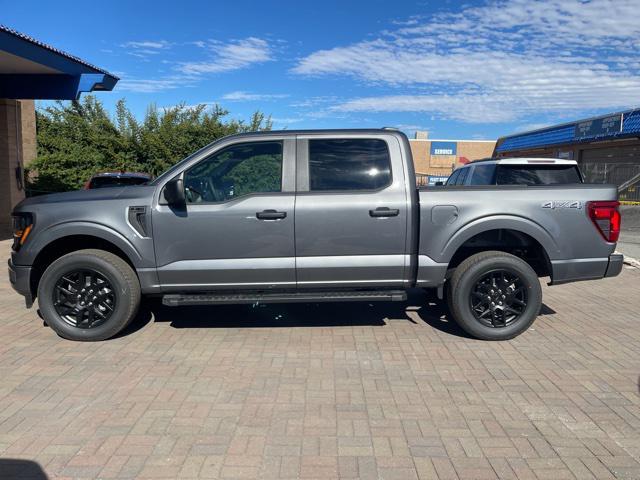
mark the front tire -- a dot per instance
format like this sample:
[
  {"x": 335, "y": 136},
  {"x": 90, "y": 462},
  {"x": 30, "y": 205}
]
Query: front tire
[
  {"x": 494, "y": 295},
  {"x": 88, "y": 295}
]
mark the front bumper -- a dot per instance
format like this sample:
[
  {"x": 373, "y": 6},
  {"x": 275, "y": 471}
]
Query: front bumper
[
  {"x": 615, "y": 265},
  {"x": 20, "y": 279}
]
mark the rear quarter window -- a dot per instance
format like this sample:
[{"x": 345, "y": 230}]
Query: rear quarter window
[
  {"x": 463, "y": 176},
  {"x": 452, "y": 179},
  {"x": 482, "y": 175},
  {"x": 537, "y": 175}
]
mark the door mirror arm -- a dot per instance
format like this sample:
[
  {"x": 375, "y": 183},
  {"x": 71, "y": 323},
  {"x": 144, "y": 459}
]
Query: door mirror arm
[{"x": 174, "y": 193}]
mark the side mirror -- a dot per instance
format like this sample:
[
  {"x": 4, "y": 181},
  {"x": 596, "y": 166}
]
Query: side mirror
[
  {"x": 439, "y": 184},
  {"x": 174, "y": 193}
]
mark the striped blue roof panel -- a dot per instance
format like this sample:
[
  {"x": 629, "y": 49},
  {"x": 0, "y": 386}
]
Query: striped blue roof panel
[
  {"x": 631, "y": 123},
  {"x": 554, "y": 136},
  {"x": 565, "y": 134}
]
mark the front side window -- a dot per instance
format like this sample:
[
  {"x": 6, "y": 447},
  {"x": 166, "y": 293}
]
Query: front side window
[
  {"x": 349, "y": 164},
  {"x": 234, "y": 172}
]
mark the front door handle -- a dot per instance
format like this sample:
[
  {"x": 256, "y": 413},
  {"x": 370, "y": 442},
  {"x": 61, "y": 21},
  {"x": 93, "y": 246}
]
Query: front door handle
[
  {"x": 270, "y": 215},
  {"x": 384, "y": 212}
]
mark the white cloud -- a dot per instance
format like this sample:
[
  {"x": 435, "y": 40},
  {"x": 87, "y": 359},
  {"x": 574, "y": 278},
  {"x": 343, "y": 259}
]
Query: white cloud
[
  {"x": 240, "y": 96},
  {"x": 410, "y": 128},
  {"x": 498, "y": 62},
  {"x": 222, "y": 57},
  {"x": 158, "y": 45},
  {"x": 148, "y": 85},
  {"x": 229, "y": 56},
  {"x": 527, "y": 127},
  {"x": 286, "y": 121},
  {"x": 144, "y": 49},
  {"x": 314, "y": 102}
]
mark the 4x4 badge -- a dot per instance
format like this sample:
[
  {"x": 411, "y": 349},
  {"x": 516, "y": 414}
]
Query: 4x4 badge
[{"x": 563, "y": 204}]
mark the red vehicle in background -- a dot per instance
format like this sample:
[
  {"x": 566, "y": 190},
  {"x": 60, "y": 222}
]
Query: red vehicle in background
[{"x": 117, "y": 179}]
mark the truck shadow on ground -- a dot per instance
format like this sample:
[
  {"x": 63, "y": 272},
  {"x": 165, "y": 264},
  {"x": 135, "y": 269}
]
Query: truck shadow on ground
[
  {"x": 417, "y": 309},
  {"x": 11, "y": 468}
]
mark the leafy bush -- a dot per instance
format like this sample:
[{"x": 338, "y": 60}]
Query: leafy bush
[{"x": 79, "y": 139}]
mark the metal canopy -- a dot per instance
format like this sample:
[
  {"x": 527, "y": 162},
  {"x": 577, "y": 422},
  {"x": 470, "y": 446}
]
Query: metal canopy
[
  {"x": 30, "y": 69},
  {"x": 606, "y": 127}
]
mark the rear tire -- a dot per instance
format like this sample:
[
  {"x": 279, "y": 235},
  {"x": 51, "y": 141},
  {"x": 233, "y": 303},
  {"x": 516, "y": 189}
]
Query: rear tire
[
  {"x": 88, "y": 295},
  {"x": 494, "y": 295}
]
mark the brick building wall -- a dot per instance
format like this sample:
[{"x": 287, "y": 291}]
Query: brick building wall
[
  {"x": 17, "y": 145},
  {"x": 427, "y": 164}
]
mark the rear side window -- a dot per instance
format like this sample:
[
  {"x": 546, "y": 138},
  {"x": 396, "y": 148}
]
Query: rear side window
[
  {"x": 349, "y": 164},
  {"x": 482, "y": 175},
  {"x": 537, "y": 174}
]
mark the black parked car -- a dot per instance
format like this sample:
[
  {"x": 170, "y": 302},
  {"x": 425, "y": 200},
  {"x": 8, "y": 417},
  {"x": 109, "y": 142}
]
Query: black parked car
[{"x": 116, "y": 179}]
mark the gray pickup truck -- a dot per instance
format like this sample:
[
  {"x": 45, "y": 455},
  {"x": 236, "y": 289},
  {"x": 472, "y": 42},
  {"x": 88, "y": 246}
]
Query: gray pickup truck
[{"x": 307, "y": 216}]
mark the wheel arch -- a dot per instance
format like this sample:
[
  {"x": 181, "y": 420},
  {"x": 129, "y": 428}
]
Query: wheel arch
[
  {"x": 64, "y": 240},
  {"x": 516, "y": 235}
]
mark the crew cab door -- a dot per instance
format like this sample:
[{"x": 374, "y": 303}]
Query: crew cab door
[
  {"x": 237, "y": 229},
  {"x": 351, "y": 211}
]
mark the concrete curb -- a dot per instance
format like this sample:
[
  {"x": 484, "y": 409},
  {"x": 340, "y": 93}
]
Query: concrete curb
[{"x": 631, "y": 261}]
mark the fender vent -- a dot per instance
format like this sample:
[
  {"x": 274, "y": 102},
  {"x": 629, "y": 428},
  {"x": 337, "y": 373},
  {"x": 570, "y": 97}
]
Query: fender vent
[{"x": 137, "y": 217}]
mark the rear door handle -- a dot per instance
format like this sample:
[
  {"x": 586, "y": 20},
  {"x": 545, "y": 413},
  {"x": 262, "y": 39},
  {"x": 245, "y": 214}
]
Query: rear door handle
[
  {"x": 270, "y": 215},
  {"x": 384, "y": 212}
]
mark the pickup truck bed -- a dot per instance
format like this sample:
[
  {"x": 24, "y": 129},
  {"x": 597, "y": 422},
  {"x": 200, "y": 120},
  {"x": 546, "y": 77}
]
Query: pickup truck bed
[
  {"x": 326, "y": 215},
  {"x": 550, "y": 220}
]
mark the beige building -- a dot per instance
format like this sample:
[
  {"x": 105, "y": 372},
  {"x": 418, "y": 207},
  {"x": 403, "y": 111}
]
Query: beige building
[{"x": 438, "y": 157}]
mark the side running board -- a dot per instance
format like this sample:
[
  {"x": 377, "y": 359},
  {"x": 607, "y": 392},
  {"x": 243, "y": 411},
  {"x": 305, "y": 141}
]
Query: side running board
[{"x": 174, "y": 300}]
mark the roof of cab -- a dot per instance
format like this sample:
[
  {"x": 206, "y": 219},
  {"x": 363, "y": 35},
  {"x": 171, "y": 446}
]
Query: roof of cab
[{"x": 332, "y": 131}]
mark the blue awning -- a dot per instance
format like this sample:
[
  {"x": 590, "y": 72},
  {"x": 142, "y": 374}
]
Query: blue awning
[
  {"x": 30, "y": 69},
  {"x": 606, "y": 127}
]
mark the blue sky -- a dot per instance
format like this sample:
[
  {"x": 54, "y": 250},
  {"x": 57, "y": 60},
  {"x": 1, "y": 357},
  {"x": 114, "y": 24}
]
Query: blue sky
[{"x": 478, "y": 69}]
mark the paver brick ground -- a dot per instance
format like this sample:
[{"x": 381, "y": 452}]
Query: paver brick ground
[{"x": 391, "y": 391}]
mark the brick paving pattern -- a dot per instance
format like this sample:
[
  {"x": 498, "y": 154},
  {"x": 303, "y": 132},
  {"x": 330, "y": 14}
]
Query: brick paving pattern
[{"x": 390, "y": 391}]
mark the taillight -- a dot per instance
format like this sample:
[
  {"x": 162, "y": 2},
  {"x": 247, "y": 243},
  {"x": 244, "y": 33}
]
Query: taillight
[{"x": 606, "y": 217}]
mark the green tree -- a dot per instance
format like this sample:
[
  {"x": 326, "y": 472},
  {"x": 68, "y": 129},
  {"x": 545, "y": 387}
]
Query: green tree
[{"x": 79, "y": 139}]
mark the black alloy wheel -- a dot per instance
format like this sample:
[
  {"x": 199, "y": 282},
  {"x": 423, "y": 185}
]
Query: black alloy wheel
[
  {"x": 494, "y": 295},
  {"x": 88, "y": 295},
  {"x": 84, "y": 298},
  {"x": 498, "y": 298}
]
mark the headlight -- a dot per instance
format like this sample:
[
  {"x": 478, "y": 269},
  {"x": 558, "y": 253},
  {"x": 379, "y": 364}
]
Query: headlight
[{"x": 22, "y": 225}]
